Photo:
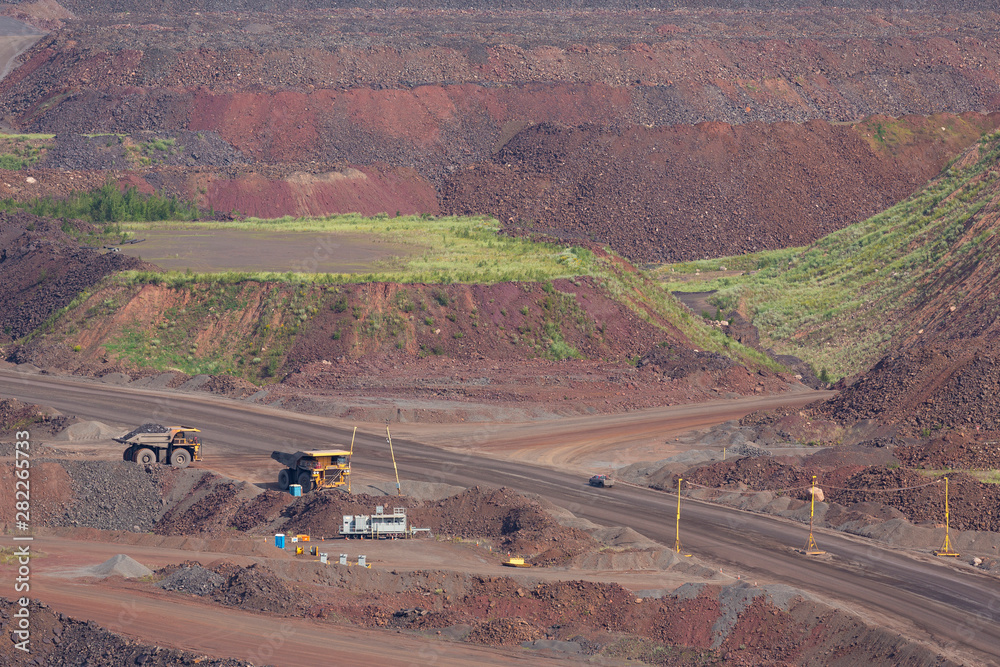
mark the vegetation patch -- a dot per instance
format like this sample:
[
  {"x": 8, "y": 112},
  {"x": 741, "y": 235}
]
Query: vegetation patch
[
  {"x": 147, "y": 153},
  {"x": 246, "y": 324},
  {"x": 20, "y": 151},
  {"x": 244, "y": 330},
  {"x": 107, "y": 204},
  {"x": 839, "y": 302},
  {"x": 468, "y": 251}
]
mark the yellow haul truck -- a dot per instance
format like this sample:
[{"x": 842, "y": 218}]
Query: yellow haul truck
[
  {"x": 316, "y": 469},
  {"x": 152, "y": 443}
]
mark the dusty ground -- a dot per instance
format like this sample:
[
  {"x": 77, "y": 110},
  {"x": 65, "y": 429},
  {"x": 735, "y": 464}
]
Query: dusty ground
[
  {"x": 229, "y": 250},
  {"x": 202, "y": 499},
  {"x": 443, "y": 591},
  {"x": 433, "y": 627}
]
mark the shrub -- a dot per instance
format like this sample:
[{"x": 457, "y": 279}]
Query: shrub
[{"x": 109, "y": 204}]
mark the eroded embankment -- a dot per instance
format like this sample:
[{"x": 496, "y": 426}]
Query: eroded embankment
[{"x": 259, "y": 329}]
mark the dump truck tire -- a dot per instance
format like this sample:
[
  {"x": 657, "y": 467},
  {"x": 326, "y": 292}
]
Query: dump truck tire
[
  {"x": 128, "y": 454},
  {"x": 180, "y": 458},
  {"x": 306, "y": 481},
  {"x": 145, "y": 456},
  {"x": 284, "y": 479}
]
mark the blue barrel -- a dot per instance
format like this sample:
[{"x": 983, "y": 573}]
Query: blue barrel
[
  {"x": 296, "y": 489},
  {"x": 279, "y": 540}
]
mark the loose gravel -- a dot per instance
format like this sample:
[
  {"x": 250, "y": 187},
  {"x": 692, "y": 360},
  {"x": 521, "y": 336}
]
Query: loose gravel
[
  {"x": 749, "y": 450},
  {"x": 145, "y": 428},
  {"x": 113, "y": 495},
  {"x": 193, "y": 579},
  {"x": 122, "y": 566}
]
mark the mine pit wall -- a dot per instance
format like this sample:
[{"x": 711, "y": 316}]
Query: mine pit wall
[
  {"x": 435, "y": 123},
  {"x": 700, "y": 70}
]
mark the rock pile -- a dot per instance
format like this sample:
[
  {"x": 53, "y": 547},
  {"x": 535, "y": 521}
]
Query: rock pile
[
  {"x": 14, "y": 414},
  {"x": 192, "y": 579},
  {"x": 748, "y": 450},
  {"x": 145, "y": 428},
  {"x": 257, "y": 588},
  {"x": 114, "y": 495},
  {"x": 121, "y": 566},
  {"x": 42, "y": 269}
]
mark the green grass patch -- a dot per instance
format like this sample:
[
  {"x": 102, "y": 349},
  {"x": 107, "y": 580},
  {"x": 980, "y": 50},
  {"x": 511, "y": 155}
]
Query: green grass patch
[
  {"x": 27, "y": 137},
  {"x": 987, "y": 476},
  {"x": 10, "y": 555},
  {"x": 657, "y": 305},
  {"x": 837, "y": 303}
]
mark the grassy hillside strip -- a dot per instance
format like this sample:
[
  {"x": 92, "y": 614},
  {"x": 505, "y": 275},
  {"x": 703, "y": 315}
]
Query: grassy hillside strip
[
  {"x": 839, "y": 302},
  {"x": 247, "y": 324}
]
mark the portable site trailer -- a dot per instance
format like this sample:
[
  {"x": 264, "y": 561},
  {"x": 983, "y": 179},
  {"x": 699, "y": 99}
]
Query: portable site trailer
[{"x": 375, "y": 525}]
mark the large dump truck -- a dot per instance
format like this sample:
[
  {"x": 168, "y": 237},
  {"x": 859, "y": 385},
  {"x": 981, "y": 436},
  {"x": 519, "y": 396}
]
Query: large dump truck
[
  {"x": 152, "y": 443},
  {"x": 316, "y": 469}
]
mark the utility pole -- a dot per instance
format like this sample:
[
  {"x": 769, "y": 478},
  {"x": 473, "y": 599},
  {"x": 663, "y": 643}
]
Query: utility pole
[
  {"x": 677, "y": 540},
  {"x": 946, "y": 549},
  {"x": 811, "y": 548}
]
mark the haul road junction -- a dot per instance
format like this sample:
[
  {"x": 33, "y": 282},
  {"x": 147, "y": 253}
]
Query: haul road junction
[{"x": 953, "y": 606}]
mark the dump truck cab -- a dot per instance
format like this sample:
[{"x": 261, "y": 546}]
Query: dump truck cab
[
  {"x": 175, "y": 445},
  {"x": 314, "y": 469}
]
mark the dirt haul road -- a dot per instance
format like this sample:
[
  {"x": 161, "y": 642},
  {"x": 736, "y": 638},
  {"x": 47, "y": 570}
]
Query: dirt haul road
[
  {"x": 264, "y": 640},
  {"x": 953, "y": 606}
]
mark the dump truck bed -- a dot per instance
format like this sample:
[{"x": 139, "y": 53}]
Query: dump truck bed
[
  {"x": 286, "y": 459},
  {"x": 153, "y": 434},
  {"x": 293, "y": 460}
]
